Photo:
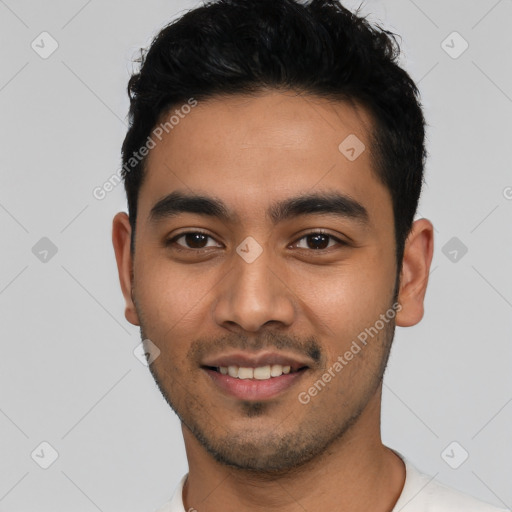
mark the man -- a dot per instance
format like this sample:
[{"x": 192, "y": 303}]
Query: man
[{"x": 273, "y": 167}]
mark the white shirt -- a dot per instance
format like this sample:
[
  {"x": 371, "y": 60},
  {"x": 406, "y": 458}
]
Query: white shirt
[{"x": 421, "y": 493}]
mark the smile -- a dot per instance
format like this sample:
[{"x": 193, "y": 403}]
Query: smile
[
  {"x": 259, "y": 373},
  {"x": 258, "y": 383}
]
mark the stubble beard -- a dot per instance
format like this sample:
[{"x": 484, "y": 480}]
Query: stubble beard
[{"x": 270, "y": 454}]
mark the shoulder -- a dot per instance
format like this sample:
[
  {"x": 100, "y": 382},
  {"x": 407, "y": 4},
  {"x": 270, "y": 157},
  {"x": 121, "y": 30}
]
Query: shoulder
[
  {"x": 175, "y": 504},
  {"x": 422, "y": 493}
]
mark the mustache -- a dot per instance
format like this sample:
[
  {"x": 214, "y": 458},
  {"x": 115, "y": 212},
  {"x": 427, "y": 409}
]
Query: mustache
[{"x": 202, "y": 347}]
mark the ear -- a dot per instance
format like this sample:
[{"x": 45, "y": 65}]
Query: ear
[
  {"x": 418, "y": 251},
  {"x": 121, "y": 234}
]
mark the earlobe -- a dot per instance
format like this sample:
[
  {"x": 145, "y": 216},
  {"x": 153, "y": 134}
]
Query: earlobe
[
  {"x": 418, "y": 252},
  {"x": 121, "y": 235}
]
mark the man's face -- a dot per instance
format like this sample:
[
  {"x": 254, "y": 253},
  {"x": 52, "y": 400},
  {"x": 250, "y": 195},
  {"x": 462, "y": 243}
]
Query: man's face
[{"x": 266, "y": 285}]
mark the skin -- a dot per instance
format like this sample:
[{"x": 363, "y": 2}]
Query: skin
[{"x": 252, "y": 152}]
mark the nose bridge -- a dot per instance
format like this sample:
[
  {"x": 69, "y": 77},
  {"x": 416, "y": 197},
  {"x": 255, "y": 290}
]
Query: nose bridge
[{"x": 252, "y": 294}]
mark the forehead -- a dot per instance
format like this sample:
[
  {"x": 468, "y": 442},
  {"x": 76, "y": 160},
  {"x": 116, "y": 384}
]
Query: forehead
[{"x": 253, "y": 150}]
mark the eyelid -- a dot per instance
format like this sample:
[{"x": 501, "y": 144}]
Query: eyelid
[
  {"x": 169, "y": 241},
  {"x": 318, "y": 231}
]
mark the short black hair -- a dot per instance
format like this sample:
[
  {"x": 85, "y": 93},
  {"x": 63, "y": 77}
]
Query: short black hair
[{"x": 315, "y": 47}]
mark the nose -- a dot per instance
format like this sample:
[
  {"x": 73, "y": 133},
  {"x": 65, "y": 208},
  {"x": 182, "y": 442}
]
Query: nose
[{"x": 254, "y": 294}]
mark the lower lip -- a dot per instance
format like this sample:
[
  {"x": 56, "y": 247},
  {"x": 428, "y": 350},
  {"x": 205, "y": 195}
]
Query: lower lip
[{"x": 254, "y": 389}]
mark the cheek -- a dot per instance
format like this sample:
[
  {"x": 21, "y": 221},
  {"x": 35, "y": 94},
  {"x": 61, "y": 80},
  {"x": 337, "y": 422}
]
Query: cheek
[
  {"x": 342, "y": 302},
  {"x": 172, "y": 297}
]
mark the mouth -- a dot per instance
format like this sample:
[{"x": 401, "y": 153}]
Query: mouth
[
  {"x": 255, "y": 378},
  {"x": 259, "y": 373}
]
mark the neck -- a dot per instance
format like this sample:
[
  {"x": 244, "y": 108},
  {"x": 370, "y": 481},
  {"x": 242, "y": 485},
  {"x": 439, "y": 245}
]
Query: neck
[{"x": 356, "y": 472}]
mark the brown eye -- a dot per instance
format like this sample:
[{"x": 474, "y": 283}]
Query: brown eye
[
  {"x": 319, "y": 241},
  {"x": 192, "y": 240},
  {"x": 195, "y": 240}
]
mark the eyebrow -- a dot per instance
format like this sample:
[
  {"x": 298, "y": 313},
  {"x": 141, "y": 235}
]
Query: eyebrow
[{"x": 333, "y": 203}]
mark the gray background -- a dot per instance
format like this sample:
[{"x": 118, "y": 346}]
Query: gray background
[{"x": 68, "y": 375}]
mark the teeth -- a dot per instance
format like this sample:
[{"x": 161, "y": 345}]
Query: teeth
[
  {"x": 276, "y": 370},
  {"x": 245, "y": 373},
  {"x": 260, "y": 373}
]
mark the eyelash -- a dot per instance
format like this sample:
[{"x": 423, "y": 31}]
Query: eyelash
[{"x": 171, "y": 241}]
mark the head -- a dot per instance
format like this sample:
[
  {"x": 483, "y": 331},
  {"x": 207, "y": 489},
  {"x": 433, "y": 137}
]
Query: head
[{"x": 271, "y": 218}]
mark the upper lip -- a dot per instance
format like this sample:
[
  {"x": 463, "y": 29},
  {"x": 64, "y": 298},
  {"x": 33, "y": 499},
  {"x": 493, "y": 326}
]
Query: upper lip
[{"x": 255, "y": 360}]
